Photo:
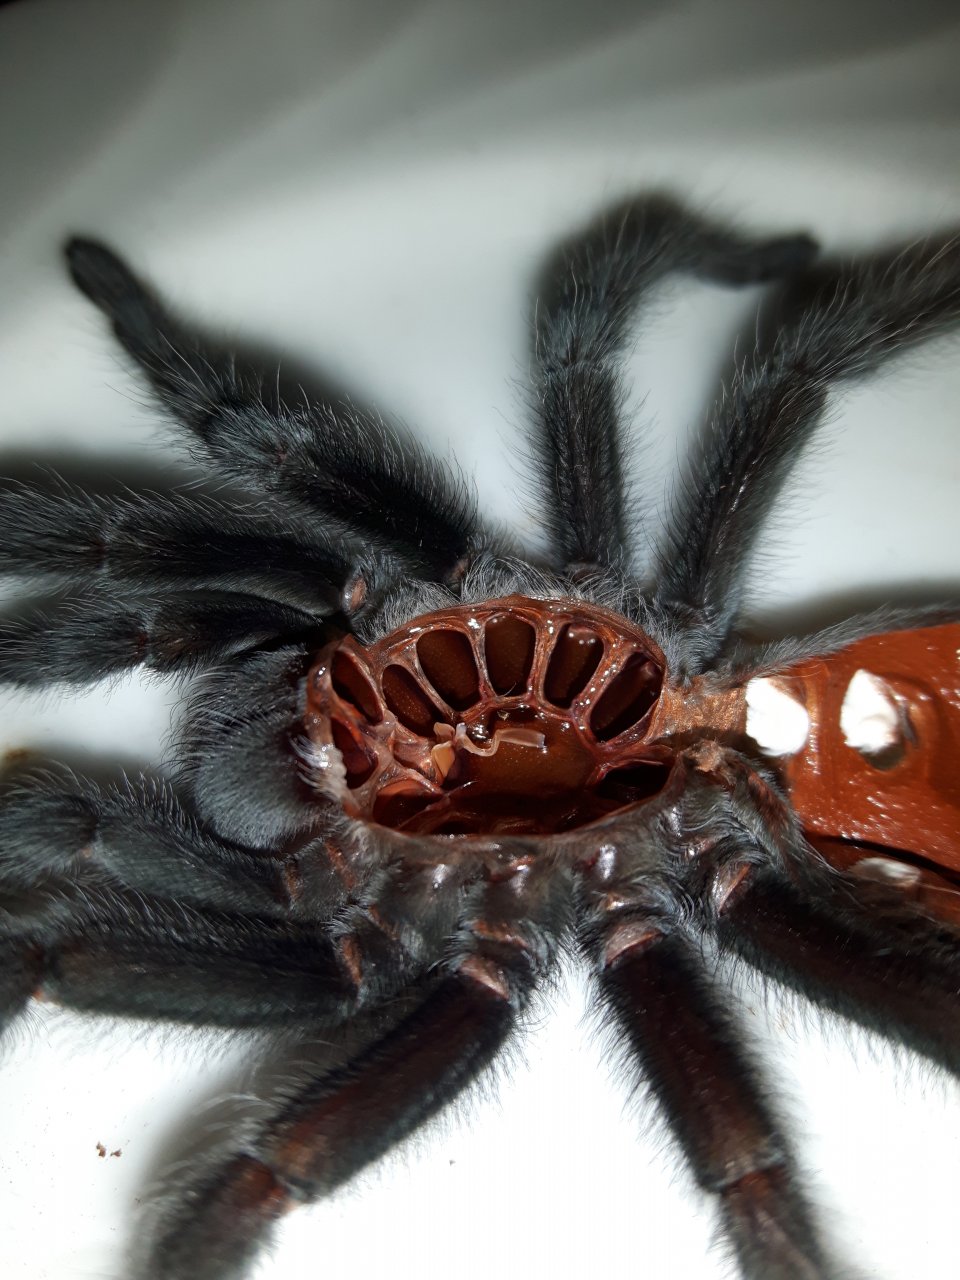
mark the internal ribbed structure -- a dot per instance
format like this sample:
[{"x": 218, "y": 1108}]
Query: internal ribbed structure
[{"x": 514, "y": 716}]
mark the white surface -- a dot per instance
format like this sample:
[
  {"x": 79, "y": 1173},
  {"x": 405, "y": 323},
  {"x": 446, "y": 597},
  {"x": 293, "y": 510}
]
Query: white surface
[{"x": 371, "y": 187}]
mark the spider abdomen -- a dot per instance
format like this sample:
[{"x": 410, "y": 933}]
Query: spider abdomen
[{"x": 515, "y": 715}]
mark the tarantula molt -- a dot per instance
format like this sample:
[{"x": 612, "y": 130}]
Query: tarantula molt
[{"x": 419, "y": 763}]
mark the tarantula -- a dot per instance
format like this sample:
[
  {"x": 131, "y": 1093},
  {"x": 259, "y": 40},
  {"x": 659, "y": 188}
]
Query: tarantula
[{"x": 418, "y": 763}]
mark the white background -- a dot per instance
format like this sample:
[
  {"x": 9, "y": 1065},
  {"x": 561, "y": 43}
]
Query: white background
[{"x": 369, "y": 188}]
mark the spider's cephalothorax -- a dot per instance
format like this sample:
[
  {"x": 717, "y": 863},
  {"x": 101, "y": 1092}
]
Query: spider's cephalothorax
[
  {"x": 513, "y": 716},
  {"x": 420, "y": 764}
]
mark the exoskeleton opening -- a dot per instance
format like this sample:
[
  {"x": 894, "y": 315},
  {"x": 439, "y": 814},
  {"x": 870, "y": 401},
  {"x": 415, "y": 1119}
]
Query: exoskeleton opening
[{"x": 519, "y": 716}]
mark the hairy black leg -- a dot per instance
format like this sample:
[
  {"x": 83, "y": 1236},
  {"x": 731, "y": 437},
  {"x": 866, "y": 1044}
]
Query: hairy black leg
[
  {"x": 899, "y": 976},
  {"x": 168, "y": 541},
  {"x": 52, "y": 825},
  {"x": 87, "y": 943},
  {"x": 90, "y": 637},
  {"x": 334, "y": 1126},
  {"x": 21, "y": 968},
  {"x": 84, "y": 940},
  {"x": 352, "y": 469},
  {"x": 592, "y": 287},
  {"x": 731, "y": 809},
  {"x": 139, "y": 957},
  {"x": 683, "y": 1045},
  {"x": 850, "y": 946},
  {"x": 859, "y": 316},
  {"x": 245, "y": 721},
  {"x": 743, "y": 659},
  {"x": 105, "y": 950}
]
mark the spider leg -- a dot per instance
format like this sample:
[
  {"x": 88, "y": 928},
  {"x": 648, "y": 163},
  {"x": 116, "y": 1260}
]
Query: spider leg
[
  {"x": 744, "y": 660},
  {"x": 336, "y": 461},
  {"x": 138, "y": 834},
  {"x": 100, "y": 949},
  {"x": 681, "y": 1042},
  {"x": 245, "y": 720},
  {"x": 139, "y": 911},
  {"x": 21, "y": 968},
  {"x": 90, "y": 637},
  {"x": 859, "y": 316},
  {"x": 154, "y": 959},
  {"x": 168, "y": 542},
  {"x": 590, "y": 292},
  {"x": 334, "y": 1126},
  {"x": 898, "y": 975},
  {"x": 772, "y": 899}
]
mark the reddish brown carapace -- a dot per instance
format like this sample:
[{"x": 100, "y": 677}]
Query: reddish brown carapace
[
  {"x": 516, "y": 715},
  {"x": 536, "y": 716}
]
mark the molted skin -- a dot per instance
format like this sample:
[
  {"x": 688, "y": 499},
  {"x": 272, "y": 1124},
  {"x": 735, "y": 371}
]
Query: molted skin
[{"x": 494, "y": 786}]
